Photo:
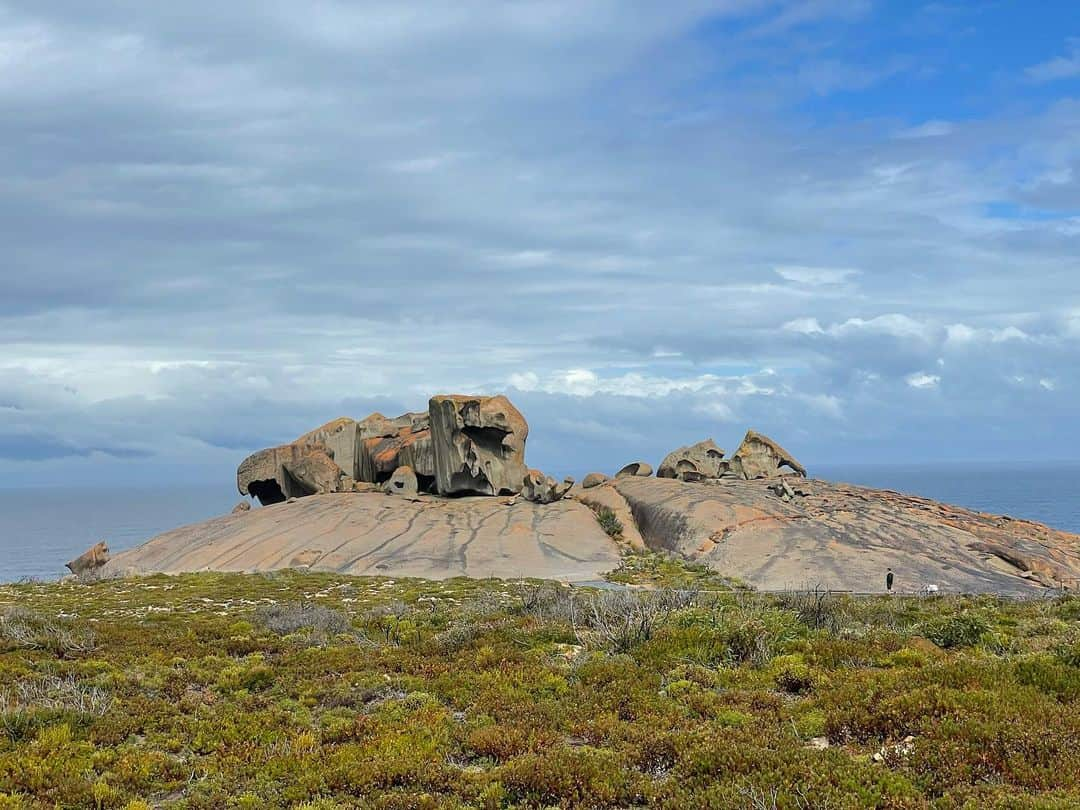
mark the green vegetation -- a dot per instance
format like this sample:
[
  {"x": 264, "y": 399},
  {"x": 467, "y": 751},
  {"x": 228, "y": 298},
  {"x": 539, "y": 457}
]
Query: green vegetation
[
  {"x": 608, "y": 521},
  {"x": 322, "y": 692}
]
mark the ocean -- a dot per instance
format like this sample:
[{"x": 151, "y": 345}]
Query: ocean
[{"x": 42, "y": 529}]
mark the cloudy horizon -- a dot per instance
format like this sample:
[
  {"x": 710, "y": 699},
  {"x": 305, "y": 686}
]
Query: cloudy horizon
[{"x": 850, "y": 225}]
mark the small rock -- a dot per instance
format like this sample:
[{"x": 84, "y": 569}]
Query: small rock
[
  {"x": 90, "y": 560},
  {"x": 638, "y": 469},
  {"x": 403, "y": 483},
  {"x": 540, "y": 488},
  {"x": 240, "y": 508},
  {"x": 818, "y": 743},
  {"x": 593, "y": 479}
]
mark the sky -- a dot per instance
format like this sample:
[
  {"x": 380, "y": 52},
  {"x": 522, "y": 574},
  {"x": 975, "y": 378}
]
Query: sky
[{"x": 853, "y": 225}]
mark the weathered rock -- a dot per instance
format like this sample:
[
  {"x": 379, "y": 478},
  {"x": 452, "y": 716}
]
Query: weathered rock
[
  {"x": 372, "y": 534},
  {"x": 90, "y": 560},
  {"x": 844, "y": 537},
  {"x": 478, "y": 445},
  {"x": 386, "y": 444},
  {"x": 540, "y": 488},
  {"x": 315, "y": 473},
  {"x": 304, "y": 467},
  {"x": 403, "y": 483},
  {"x": 638, "y": 469},
  {"x": 694, "y": 462},
  {"x": 606, "y": 496},
  {"x": 339, "y": 438},
  {"x": 783, "y": 489},
  {"x": 334, "y": 456},
  {"x": 593, "y": 479},
  {"x": 240, "y": 508},
  {"x": 760, "y": 457}
]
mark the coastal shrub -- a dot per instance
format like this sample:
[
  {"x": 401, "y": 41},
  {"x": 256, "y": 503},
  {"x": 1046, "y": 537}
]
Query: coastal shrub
[
  {"x": 610, "y": 524},
  {"x": 26, "y": 629},
  {"x": 570, "y": 777},
  {"x": 818, "y": 609},
  {"x": 486, "y": 696},
  {"x": 293, "y": 617},
  {"x": 964, "y": 629}
]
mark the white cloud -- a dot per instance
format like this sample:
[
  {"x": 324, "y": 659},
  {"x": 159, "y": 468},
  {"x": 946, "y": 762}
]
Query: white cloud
[
  {"x": 893, "y": 324},
  {"x": 804, "y": 326},
  {"x": 814, "y": 276},
  {"x": 928, "y": 129},
  {"x": 921, "y": 379},
  {"x": 1061, "y": 67}
]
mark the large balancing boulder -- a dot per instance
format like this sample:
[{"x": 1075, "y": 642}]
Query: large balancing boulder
[
  {"x": 478, "y": 444},
  {"x": 760, "y": 457},
  {"x": 694, "y": 462}
]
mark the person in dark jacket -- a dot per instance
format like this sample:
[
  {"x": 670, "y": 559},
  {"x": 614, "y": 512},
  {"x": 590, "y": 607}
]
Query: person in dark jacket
[{"x": 888, "y": 580}]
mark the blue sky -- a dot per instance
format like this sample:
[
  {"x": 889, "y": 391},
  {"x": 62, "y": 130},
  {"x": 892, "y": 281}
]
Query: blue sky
[{"x": 852, "y": 224}]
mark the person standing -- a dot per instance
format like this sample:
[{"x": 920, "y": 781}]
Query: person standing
[{"x": 888, "y": 580}]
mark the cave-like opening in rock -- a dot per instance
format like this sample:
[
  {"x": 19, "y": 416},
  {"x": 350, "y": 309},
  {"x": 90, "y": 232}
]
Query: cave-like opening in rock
[
  {"x": 486, "y": 438},
  {"x": 267, "y": 492},
  {"x": 463, "y": 484}
]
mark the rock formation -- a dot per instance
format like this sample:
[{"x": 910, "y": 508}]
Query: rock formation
[
  {"x": 481, "y": 451},
  {"x": 386, "y": 444},
  {"x": 694, "y": 462},
  {"x": 240, "y": 508},
  {"x": 306, "y": 466},
  {"x": 90, "y": 560},
  {"x": 639, "y": 469},
  {"x": 540, "y": 488},
  {"x": 376, "y": 535},
  {"x": 593, "y": 479},
  {"x": 760, "y": 457},
  {"x": 479, "y": 445},
  {"x": 402, "y": 483},
  {"x": 844, "y": 537},
  {"x": 778, "y": 532}
]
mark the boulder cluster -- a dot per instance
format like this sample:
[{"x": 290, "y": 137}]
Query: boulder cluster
[
  {"x": 758, "y": 456},
  {"x": 462, "y": 445}
]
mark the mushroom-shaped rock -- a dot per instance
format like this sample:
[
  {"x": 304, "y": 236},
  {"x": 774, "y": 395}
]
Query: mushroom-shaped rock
[
  {"x": 478, "y": 445},
  {"x": 90, "y": 560},
  {"x": 694, "y": 462},
  {"x": 637, "y": 469},
  {"x": 760, "y": 457},
  {"x": 540, "y": 488},
  {"x": 593, "y": 479},
  {"x": 402, "y": 482}
]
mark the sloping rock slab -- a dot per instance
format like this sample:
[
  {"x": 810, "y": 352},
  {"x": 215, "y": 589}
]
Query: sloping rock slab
[
  {"x": 374, "y": 534},
  {"x": 845, "y": 537}
]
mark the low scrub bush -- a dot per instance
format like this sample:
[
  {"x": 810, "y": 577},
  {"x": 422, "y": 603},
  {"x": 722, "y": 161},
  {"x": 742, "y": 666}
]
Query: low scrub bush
[
  {"x": 25, "y": 629},
  {"x": 294, "y": 617},
  {"x": 195, "y": 692},
  {"x": 960, "y": 630}
]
